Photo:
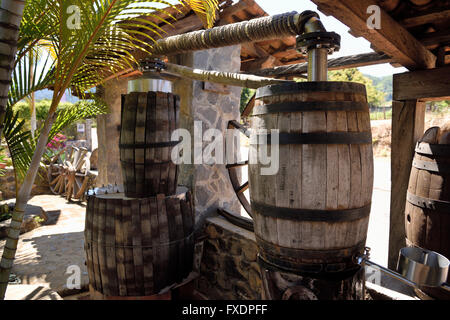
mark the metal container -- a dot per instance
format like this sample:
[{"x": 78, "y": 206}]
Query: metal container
[
  {"x": 424, "y": 267},
  {"x": 149, "y": 84}
]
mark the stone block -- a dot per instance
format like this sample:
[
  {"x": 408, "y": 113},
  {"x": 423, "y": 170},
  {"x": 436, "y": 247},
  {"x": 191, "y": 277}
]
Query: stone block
[
  {"x": 235, "y": 246},
  {"x": 254, "y": 280},
  {"x": 249, "y": 250},
  {"x": 242, "y": 290},
  {"x": 213, "y": 232}
]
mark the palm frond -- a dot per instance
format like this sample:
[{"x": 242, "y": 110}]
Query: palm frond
[
  {"x": 30, "y": 77},
  {"x": 19, "y": 142},
  {"x": 81, "y": 110},
  {"x": 205, "y": 10}
]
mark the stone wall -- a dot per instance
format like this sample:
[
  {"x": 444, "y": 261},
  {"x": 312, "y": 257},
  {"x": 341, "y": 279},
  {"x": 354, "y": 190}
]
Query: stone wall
[
  {"x": 8, "y": 186},
  {"x": 228, "y": 268},
  {"x": 210, "y": 183}
]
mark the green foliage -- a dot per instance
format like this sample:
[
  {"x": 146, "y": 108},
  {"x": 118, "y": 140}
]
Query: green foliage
[
  {"x": 383, "y": 84},
  {"x": 381, "y": 115},
  {"x": 246, "y": 95},
  {"x": 42, "y": 108},
  {"x": 19, "y": 142},
  {"x": 440, "y": 106},
  {"x": 374, "y": 96}
]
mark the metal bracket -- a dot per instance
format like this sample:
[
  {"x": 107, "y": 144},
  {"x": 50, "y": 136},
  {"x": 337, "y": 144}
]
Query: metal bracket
[{"x": 152, "y": 65}]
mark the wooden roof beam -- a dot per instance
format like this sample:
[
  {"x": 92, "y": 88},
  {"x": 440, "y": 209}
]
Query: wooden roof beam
[
  {"x": 430, "y": 17},
  {"x": 353, "y": 61},
  {"x": 422, "y": 84},
  {"x": 392, "y": 38}
]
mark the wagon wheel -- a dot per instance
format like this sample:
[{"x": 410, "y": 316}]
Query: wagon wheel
[
  {"x": 231, "y": 167},
  {"x": 56, "y": 173},
  {"x": 70, "y": 176}
]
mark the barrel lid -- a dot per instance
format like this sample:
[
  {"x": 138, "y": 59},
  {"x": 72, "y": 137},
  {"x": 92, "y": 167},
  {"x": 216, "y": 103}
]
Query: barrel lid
[{"x": 310, "y": 86}]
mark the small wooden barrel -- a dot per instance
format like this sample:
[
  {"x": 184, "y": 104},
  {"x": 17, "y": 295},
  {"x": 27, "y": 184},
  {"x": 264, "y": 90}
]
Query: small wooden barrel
[
  {"x": 136, "y": 247},
  {"x": 312, "y": 215},
  {"x": 427, "y": 208},
  {"x": 148, "y": 120}
]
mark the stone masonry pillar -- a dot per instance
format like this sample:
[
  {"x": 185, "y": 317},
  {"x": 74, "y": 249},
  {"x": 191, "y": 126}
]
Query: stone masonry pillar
[{"x": 210, "y": 184}]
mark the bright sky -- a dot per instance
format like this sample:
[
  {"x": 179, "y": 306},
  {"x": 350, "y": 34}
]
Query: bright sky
[{"x": 349, "y": 44}]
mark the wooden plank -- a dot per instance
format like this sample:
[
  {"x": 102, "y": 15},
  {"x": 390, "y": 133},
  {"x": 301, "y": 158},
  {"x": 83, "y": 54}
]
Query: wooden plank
[
  {"x": 95, "y": 247},
  {"x": 146, "y": 231},
  {"x": 88, "y": 239},
  {"x": 110, "y": 248},
  {"x": 428, "y": 17},
  {"x": 139, "y": 138},
  {"x": 172, "y": 247},
  {"x": 163, "y": 120},
  {"x": 423, "y": 84},
  {"x": 282, "y": 186},
  {"x": 179, "y": 236},
  {"x": 352, "y": 61},
  {"x": 434, "y": 39},
  {"x": 120, "y": 252},
  {"x": 171, "y": 110},
  {"x": 128, "y": 239},
  {"x": 314, "y": 176},
  {"x": 138, "y": 262},
  {"x": 128, "y": 125},
  {"x": 150, "y": 175},
  {"x": 155, "y": 244},
  {"x": 407, "y": 128},
  {"x": 392, "y": 38},
  {"x": 265, "y": 62},
  {"x": 164, "y": 239}
]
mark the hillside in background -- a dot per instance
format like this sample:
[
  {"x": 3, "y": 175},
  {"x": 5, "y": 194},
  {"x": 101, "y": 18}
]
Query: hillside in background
[
  {"x": 48, "y": 95},
  {"x": 383, "y": 84}
]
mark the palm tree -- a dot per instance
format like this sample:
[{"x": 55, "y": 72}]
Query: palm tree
[
  {"x": 102, "y": 43},
  {"x": 10, "y": 17}
]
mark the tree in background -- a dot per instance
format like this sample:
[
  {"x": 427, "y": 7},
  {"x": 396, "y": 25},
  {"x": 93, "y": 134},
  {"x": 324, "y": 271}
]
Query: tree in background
[
  {"x": 375, "y": 97},
  {"x": 246, "y": 95}
]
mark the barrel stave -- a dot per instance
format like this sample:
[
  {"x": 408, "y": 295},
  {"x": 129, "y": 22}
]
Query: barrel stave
[
  {"x": 148, "y": 120},
  {"x": 144, "y": 245},
  {"x": 313, "y": 176}
]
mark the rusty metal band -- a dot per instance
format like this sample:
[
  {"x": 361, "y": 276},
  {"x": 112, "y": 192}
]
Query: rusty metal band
[
  {"x": 314, "y": 86},
  {"x": 426, "y": 203},
  {"x": 310, "y": 214},
  {"x": 432, "y": 166},
  {"x": 433, "y": 149},
  {"x": 308, "y": 261},
  {"x": 148, "y": 145},
  {"x": 320, "y": 138},
  {"x": 310, "y": 106}
]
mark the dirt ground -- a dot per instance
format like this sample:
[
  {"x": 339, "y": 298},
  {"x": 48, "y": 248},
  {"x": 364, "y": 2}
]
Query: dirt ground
[{"x": 381, "y": 132}]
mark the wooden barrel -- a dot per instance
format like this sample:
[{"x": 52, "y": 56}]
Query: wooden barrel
[
  {"x": 427, "y": 208},
  {"x": 148, "y": 120},
  {"x": 136, "y": 247},
  {"x": 312, "y": 215}
]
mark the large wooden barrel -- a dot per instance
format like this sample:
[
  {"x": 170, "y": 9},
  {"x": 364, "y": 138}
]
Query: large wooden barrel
[
  {"x": 312, "y": 215},
  {"x": 148, "y": 120},
  {"x": 427, "y": 208},
  {"x": 136, "y": 247}
]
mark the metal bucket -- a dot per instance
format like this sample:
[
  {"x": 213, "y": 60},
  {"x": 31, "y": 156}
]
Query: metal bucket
[{"x": 424, "y": 267}]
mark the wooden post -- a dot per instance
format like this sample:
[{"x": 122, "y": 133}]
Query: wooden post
[{"x": 408, "y": 120}]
